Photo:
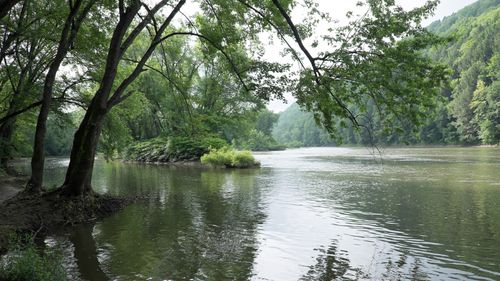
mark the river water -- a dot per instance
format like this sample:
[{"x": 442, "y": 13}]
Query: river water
[{"x": 306, "y": 214}]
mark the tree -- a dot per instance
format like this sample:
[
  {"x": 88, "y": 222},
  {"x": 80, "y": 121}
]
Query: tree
[
  {"x": 472, "y": 54},
  {"x": 25, "y": 56},
  {"x": 79, "y": 173},
  {"x": 265, "y": 121},
  {"x": 77, "y": 12},
  {"x": 377, "y": 57}
]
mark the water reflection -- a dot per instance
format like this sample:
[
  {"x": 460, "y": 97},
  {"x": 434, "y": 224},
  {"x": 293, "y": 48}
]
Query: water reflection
[
  {"x": 331, "y": 264},
  {"x": 417, "y": 214},
  {"x": 201, "y": 225},
  {"x": 85, "y": 253},
  {"x": 334, "y": 264}
]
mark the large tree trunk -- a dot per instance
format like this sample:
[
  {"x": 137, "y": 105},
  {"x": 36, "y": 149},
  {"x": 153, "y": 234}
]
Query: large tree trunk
[
  {"x": 79, "y": 174},
  {"x": 38, "y": 157},
  {"x": 68, "y": 35}
]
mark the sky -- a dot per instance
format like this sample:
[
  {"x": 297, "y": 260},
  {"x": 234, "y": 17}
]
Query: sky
[{"x": 338, "y": 8}]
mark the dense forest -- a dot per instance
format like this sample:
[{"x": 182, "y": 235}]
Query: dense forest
[
  {"x": 468, "y": 110},
  {"x": 202, "y": 85}
]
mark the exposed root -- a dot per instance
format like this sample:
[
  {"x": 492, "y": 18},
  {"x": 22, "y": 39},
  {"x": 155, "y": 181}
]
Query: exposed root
[{"x": 28, "y": 212}]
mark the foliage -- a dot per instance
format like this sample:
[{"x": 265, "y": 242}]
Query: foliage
[
  {"x": 26, "y": 263},
  {"x": 60, "y": 130},
  {"x": 449, "y": 24},
  {"x": 296, "y": 128},
  {"x": 258, "y": 141},
  {"x": 258, "y": 137},
  {"x": 466, "y": 112},
  {"x": 473, "y": 57},
  {"x": 229, "y": 158},
  {"x": 172, "y": 149},
  {"x": 377, "y": 60},
  {"x": 265, "y": 122}
]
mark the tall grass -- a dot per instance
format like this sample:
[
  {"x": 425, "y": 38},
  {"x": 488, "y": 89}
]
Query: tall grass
[{"x": 25, "y": 263}]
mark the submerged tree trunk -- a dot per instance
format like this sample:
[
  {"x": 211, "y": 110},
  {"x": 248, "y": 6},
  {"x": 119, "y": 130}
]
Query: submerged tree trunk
[{"x": 86, "y": 254}]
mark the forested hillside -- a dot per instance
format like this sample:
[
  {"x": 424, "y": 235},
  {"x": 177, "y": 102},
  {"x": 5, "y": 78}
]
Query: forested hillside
[{"x": 468, "y": 110}]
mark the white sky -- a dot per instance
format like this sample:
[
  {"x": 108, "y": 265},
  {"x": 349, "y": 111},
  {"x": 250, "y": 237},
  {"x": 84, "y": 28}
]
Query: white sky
[{"x": 338, "y": 8}]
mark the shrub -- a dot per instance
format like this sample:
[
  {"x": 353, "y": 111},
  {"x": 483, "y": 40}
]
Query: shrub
[
  {"x": 25, "y": 263},
  {"x": 243, "y": 159},
  {"x": 229, "y": 158}
]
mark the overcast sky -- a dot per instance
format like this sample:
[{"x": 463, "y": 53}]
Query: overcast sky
[{"x": 338, "y": 8}]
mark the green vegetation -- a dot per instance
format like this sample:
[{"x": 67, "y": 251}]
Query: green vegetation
[
  {"x": 172, "y": 149},
  {"x": 229, "y": 158},
  {"x": 26, "y": 263},
  {"x": 259, "y": 141},
  {"x": 296, "y": 128},
  {"x": 467, "y": 111},
  {"x": 474, "y": 55},
  {"x": 148, "y": 82}
]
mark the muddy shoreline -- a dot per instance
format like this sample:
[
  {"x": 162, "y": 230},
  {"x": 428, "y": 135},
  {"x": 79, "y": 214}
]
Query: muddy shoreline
[{"x": 34, "y": 214}]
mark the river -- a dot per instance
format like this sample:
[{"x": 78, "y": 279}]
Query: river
[{"x": 306, "y": 214}]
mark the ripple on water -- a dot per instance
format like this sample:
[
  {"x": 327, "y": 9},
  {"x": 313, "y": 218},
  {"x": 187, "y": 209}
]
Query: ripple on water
[{"x": 412, "y": 212}]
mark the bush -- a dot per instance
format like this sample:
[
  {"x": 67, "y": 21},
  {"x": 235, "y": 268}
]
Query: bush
[
  {"x": 243, "y": 159},
  {"x": 25, "y": 263},
  {"x": 229, "y": 158}
]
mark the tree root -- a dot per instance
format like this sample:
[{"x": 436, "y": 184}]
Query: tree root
[{"x": 35, "y": 213}]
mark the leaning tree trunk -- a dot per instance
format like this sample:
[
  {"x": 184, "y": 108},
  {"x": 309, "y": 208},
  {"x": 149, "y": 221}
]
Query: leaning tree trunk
[
  {"x": 79, "y": 173},
  {"x": 68, "y": 35}
]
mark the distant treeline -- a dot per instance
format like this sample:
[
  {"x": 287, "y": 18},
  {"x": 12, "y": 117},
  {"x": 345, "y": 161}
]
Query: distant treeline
[{"x": 468, "y": 110}]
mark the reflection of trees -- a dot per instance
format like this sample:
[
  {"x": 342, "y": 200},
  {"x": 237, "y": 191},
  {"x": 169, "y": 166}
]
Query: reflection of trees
[
  {"x": 333, "y": 264},
  {"x": 202, "y": 226},
  {"x": 86, "y": 253},
  {"x": 402, "y": 269},
  {"x": 452, "y": 205}
]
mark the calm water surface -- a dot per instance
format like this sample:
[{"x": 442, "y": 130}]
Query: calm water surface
[{"x": 307, "y": 214}]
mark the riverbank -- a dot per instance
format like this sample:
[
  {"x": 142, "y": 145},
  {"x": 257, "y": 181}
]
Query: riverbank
[{"x": 40, "y": 213}]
